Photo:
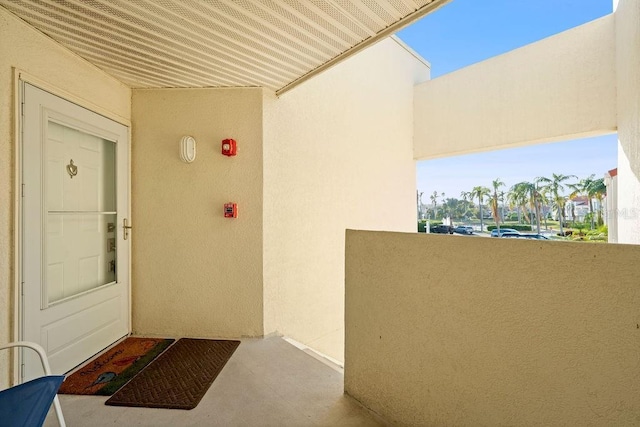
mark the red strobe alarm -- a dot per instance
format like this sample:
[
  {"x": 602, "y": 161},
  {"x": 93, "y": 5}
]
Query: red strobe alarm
[
  {"x": 229, "y": 147},
  {"x": 230, "y": 210}
]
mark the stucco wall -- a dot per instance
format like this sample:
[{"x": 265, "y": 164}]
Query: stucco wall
[
  {"x": 196, "y": 273},
  {"x": 559, "y": 88},
  {"x": 437, "y": 335},
  {"x": 611, "y": 203},
  {"x": 627, "y": 20},
  {"x": 338, "y": 154},
  {"x": 28, "y": 50}
]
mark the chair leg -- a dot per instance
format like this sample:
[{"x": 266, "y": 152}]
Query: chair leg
[{"x": 58, "y": 409}]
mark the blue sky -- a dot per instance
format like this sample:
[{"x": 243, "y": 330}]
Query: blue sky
[{"x": 468, "y": 31}]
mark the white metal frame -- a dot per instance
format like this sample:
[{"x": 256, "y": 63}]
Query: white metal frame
[{"x": 45, "y": 367}]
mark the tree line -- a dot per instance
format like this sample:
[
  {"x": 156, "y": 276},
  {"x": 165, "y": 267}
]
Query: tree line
[{"x": 531, "y": 199}]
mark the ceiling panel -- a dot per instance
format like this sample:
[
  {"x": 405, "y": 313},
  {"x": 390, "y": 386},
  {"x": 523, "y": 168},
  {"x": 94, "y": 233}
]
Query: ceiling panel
[{"x": 217, "y": 43}]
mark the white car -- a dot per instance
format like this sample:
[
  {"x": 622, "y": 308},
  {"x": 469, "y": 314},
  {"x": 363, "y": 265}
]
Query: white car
[
  {"x": 463, "y": 229},
  {"x": 494, "y": 232}
]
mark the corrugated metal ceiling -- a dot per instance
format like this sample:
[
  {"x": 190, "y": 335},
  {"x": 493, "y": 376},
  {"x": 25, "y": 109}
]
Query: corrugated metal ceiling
[{"x": 217, "y": 43}]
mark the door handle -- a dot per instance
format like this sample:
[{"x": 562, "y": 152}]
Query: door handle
[{"x": 125, "y": 228}]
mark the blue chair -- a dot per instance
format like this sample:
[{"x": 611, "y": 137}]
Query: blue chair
[{"x": 27, "y": 404}]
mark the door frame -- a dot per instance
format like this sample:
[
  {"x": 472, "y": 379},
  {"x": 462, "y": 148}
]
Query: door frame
[{"x": 20, "y": 77}]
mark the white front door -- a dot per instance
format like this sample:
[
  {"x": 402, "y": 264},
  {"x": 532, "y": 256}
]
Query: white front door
[{"x": 75, "y": 251}]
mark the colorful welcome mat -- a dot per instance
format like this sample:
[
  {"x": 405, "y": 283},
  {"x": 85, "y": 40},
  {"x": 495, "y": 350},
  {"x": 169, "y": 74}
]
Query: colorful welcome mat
[
  {"x": 111, "y": 370},
  {"x": 179, "y": 378}
]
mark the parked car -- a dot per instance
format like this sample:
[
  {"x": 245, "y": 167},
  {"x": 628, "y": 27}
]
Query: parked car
[
  {"x": 535, "y": 236},
  {"x": 442, "y": 229},
  {"x": 525, "y": 236},
  {"x": 494, "y": 233},
  {"x": 463, "y": 229},
  {"x": 509, "y": 234}
]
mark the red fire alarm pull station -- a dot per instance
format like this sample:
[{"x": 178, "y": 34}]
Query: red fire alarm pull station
[
  {"x": 230, "y": 210},
  {"x": 229, "y": 147}
]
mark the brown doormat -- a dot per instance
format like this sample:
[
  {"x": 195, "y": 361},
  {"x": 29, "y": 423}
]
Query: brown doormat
[
  {"x": 111, "y": 370},
  {"x": 179, "y": 378}
]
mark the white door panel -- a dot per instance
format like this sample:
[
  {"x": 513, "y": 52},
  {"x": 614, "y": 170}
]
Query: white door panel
[{"x": 75, "y": 259}]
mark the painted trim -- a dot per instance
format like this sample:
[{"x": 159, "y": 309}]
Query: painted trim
[
  {"x": 410, "y": 51},
  {"x": 390, "y": 30},
  {"x": 132, "y": 235},
  {"x": 551, "y": 139},
  {"x": 61, "y": 93},
  {"x": 15, "y": 311},
  {"x": 327, "y": 360},
  {"x": 20, "y": 78}
]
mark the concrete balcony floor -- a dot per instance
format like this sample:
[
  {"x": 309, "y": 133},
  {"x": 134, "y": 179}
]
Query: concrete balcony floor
[{"x": 267, "y": 382}]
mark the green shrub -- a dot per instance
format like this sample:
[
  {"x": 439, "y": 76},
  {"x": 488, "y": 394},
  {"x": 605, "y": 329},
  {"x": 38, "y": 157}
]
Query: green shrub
[
  {"x": 580, "y": 225},
  {"x": 512, "y": 217},
  {"x": 599, "y": 233},
  {"x": 519, "y": 227},
  {"x": 600, "y": 237}
]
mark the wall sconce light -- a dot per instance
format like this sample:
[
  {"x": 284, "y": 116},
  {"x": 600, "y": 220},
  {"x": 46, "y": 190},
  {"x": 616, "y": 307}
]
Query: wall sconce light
[{"x": 187, "y": 149}]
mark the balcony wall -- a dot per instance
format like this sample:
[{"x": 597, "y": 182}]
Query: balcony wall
[
  {"x": 627, "y": 20},
  {"x": 337, "y": 154},
  {"x": 471, "y": 331},
  {"x": 562, "y": 87}
]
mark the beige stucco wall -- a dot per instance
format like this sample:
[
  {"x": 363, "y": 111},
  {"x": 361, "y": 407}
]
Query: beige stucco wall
[
  {"x": 337, "y": 154},
  {"x": 437, "y": 335},
  {"x": 23, "y": 48},
  {"x": 561, "y": 87},
  {"x": 611, "y": 206},
  {"x": 627, "y": 20},
  {"x": 196, "y": 273}
]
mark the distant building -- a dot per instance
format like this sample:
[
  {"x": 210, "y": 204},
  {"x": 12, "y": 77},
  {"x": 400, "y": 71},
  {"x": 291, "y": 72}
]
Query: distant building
[{"x": 577, "y": 208}]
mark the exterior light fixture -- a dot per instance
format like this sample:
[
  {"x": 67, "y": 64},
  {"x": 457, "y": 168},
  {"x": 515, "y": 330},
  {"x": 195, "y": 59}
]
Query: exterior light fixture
[{"x": 187, "y": 149}]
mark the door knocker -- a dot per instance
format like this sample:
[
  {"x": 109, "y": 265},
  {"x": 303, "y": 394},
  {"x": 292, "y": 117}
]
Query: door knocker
[{"x": 72, "y": 169}]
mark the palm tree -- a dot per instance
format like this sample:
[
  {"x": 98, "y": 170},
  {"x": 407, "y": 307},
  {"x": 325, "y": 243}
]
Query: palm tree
[
  {"x": 585, "y": 188},
  {"x": 554, "y": 186},
  {"x": 518, "y": 196},
  {"x": 599, "y": 190},
  {"x": 419, "y": 203},
  {"x": 434, "y": 199},
  {"x": 543, "y": 201},
  {"x": 495, "y": 207},
  {"x": 456, "y": 208},
  {"x": 445, "y": 211},
  {"x": 480, "y": 192},
  {"x": 530, "y": 193},
  {"x": 572, "y": 208},
  {"x": 466, "y": 196}
]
